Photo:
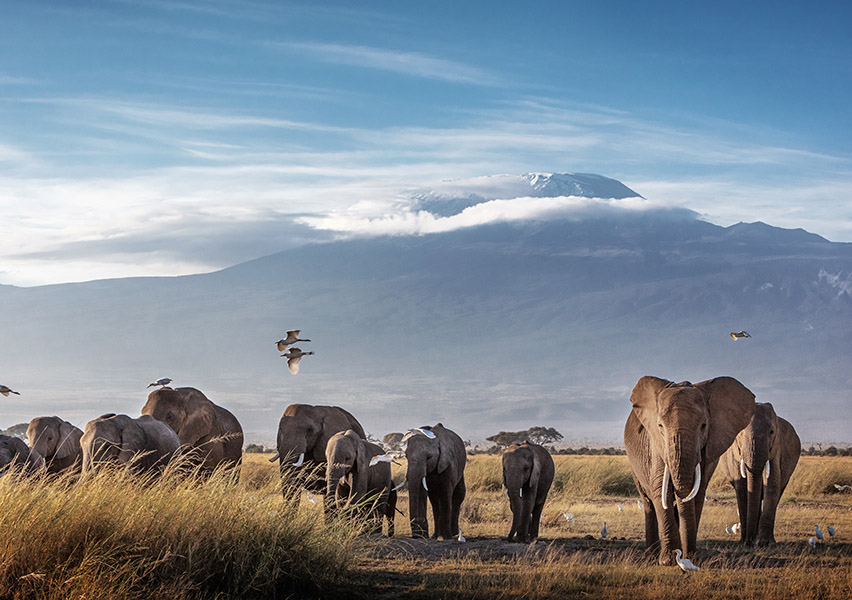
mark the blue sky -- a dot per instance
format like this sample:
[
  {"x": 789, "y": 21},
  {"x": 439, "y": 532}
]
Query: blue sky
[{"x": 162, "y": 138}]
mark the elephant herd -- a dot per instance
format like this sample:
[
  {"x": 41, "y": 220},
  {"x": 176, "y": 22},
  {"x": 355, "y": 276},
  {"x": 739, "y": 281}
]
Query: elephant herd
[{"x": 676, "y": 436}]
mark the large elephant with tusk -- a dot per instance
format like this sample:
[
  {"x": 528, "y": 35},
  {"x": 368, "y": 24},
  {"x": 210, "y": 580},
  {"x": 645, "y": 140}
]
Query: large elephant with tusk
[
  {"x": 674, "y": 437},
  {"x": 758, "y": 465},
  {"x": 436, "y": 461},
  {"x": 303, "y": 434}
]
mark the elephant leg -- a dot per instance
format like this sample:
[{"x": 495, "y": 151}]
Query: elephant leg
[
  {"x": 688, "y": 530},
  {"x": 436, "y": 499},
  {"x": 535, "y": 520},
  {"x": 459, "y": 492},
  {"x": 529, "y": 506},
  {"x": 766, "y": 525},
  {"x": 390, "y": 510},
  {"x": 667, "y": 532},
  {"x": 741, "y": 488}
]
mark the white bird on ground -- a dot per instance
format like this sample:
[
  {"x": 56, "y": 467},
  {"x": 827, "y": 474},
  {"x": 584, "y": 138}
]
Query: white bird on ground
[
  {"x": 417, "y": 431},
  {"x": 163, "y": 381},
  {"x": 729, "y": 530},
  {"x": 604, "y": 531},
  {"x": 737, "y": 527},
  {"x": 568, "y": 516},
  {"x": 640, "y": 505},
  {"x": 461, "y": 537},
  {"x": 7, "y": 390},
  {"x": 620, "y": 508},
  {"x": 813, "y": 542},
  {"x": 684, "y": 563},
  {"x": 819, "y": 535},
  {"x": 292, "y": 338},
  {"x": 494, "y": 504},
  {"x": 735, "y": 335},
  {"x": 843, "y": 488},
  {"x": 311, "y": 497},
  {"x": 379, "y": 458},
  {"x": 293, "y": 356}
]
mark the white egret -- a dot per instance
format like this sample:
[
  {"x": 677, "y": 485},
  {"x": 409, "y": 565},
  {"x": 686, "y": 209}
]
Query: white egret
[
  {"x": 293, "y": 356},
  {"x": 640, "y": 505},
  {"x": 417, "y": 431},
  {"x": 843, "y": 488},
  {"x": 311, "y": 498},
  {"x": 737, "y": 527},
  {"x": 379, "y": 458},
  {"x": 620, "y": 508},
  {"x": 813, "y": 542},
  {"x": 735, "y": 335},
  {"x": 292, "y": 338},
  {"x": 684, "y": 563},
  {"x": 729, "y": 530},
  {"x": 568, "y": 516},
  {"x": 163, "y": 381},
  {"x": 461, "y": 537}
]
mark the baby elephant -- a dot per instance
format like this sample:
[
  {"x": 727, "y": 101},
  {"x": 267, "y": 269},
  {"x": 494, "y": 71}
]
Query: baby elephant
[
  {"x": 527, "y": 474},
  {"x": 144, "y": 443},
  {"x": 350, "y": 478},
  {"x": 15, "y": 452},
  {"x": 58, "y": 442}
]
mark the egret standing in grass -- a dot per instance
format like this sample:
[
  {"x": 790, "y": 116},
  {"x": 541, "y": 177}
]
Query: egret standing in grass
[
  {"x": 7, "y": 390},
  {"x": 684, "y": 563},
  {"x": 813, "y": 542}
]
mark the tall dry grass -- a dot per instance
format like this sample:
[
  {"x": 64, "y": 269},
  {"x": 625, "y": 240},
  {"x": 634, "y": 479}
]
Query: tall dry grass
[{"x": 116, "y": 535}]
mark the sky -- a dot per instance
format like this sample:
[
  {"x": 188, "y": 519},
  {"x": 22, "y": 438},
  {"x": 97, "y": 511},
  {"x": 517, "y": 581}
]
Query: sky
[{"x": 164, "y": 138}]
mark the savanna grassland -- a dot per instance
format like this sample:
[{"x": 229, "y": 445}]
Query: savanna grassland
[{"x": 113, "y": 536}]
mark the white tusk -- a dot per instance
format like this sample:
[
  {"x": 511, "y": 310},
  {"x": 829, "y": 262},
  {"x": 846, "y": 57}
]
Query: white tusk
[
  {"x": 766, "y": 475},
  {"x": 274, "y": 458},
  {"x": 521, "y": 492},
  {"x": 301, "y": 460},
  {"x": 742, "y": 468},
  {"x": 399, "y": 487},
  {"x": 425, "y": 487},
  {"x": 665, "y": 487},
  {"x": 696, "y": 485}
]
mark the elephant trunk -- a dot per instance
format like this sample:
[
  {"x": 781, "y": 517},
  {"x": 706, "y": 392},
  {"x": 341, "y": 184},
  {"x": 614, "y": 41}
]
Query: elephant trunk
[
  {"x": 334, "y": 474},
  {"x": 514, "y": 487},
  {"x": 755, "y": 471},
  {"x": 417, "y": 495},
  {"x": 685, "y": 467}
]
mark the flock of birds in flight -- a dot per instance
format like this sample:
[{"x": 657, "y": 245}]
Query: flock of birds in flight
[{"x": 294, "y": 355}]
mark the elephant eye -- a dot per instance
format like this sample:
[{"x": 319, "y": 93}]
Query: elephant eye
[{"x": 703, "y": 426}]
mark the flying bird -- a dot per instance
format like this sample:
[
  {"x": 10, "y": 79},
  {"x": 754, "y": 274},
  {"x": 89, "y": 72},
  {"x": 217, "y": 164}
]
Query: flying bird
[
  {"x": 292, "y": 338},
  {"x": 7, "y": 390},
  {"x": 379, "y": 458},
  {"x": 293, "y": 356},
  {"x": 819, "y": 534},
  {"x": 604, "y": 531},
  {"x": 163, "y": 381},
  {"x": 735, "y": 335},
  {"x": 417, "y": 431},
  {"x": 684, "y": 563},
  {"x": 843, "y": 488}
]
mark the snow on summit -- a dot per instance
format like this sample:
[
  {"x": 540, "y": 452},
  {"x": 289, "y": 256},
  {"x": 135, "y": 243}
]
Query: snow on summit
[{"x": 448, "y": 198}]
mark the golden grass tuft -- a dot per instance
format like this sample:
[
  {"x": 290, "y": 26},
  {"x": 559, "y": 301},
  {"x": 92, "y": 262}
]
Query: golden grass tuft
[{"x": 116, "y": 535}]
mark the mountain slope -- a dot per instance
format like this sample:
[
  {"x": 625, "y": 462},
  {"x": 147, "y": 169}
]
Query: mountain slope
[{"x": 489, "y": 328}]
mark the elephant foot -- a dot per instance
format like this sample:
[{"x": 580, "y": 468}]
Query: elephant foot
[
  {"x": 667, "y": 559},
  {"x": 764, "y": 542}
]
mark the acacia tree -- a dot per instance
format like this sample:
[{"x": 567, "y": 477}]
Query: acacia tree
[{"x": 536, "y": 435}]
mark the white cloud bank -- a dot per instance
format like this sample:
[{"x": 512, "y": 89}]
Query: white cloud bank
[{"x": 404, "y": 221}]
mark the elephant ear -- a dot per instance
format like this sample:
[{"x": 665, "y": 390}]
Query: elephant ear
[
  {"x": 199, "y": 423},
  {"x": 644, "y": 401},
  {"x": 536, "y": 471},
  {"x": 132, "y": 441},
  {"x": 447, "y": 452},
  {"x": 731, "y": 406},
  {"x": 69, "y": 441}
]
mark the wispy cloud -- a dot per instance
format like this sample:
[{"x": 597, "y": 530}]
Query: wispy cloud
[{"x": 412, "y": 64}]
